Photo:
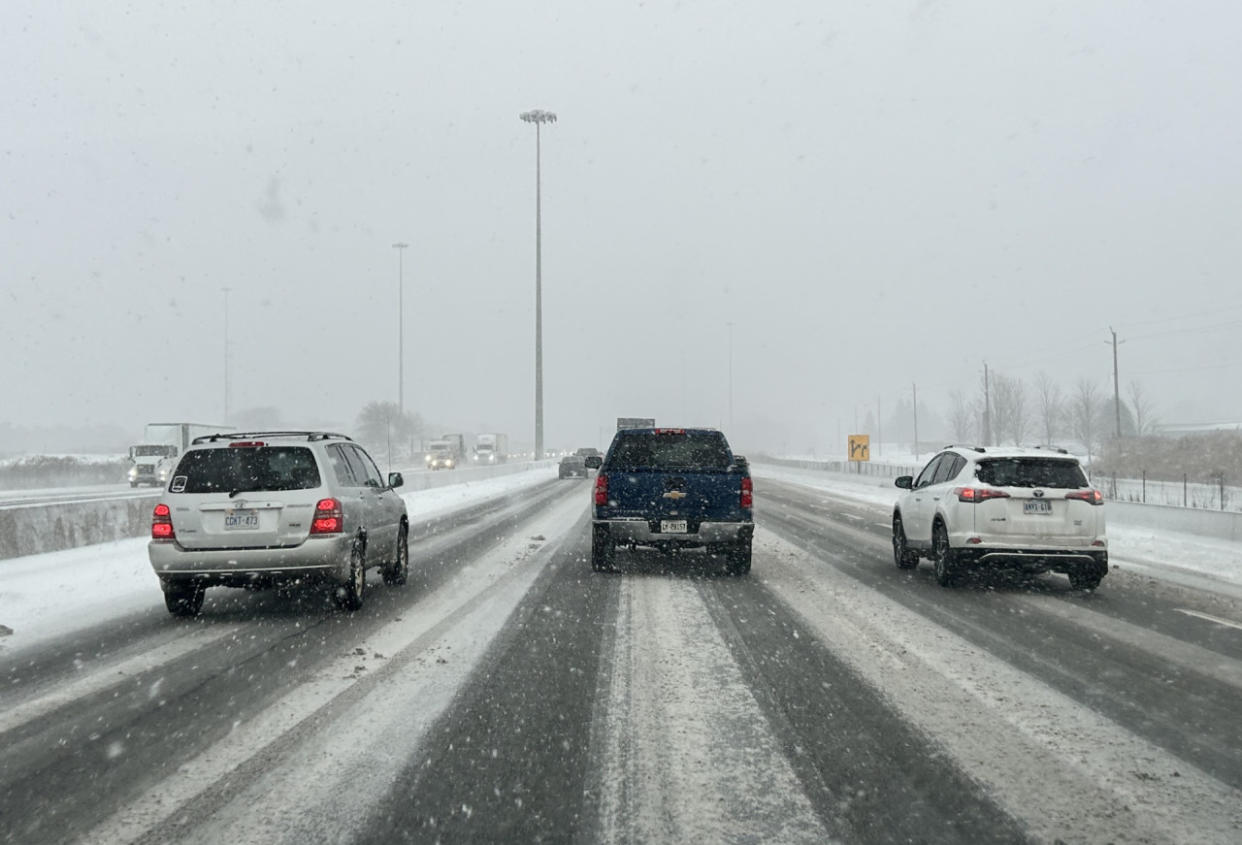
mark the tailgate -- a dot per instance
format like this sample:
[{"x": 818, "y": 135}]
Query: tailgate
[
  {"x": 250, "y": 523},
  {"x": 693, "y": 496},
  {"x": 1026, "y": 516}
]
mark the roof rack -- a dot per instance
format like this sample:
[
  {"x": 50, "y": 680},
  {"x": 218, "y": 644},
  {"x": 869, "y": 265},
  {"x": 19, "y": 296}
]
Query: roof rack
[
  {"x": 237, "y": 435},
  {"x": 1051, "y": 448},
  {"x": 979, "y": 449}
]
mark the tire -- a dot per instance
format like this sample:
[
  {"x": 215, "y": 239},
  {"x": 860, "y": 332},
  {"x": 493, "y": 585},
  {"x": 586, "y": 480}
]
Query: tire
[
  {"x": 903, "y": 555},
  {"x": 350, "y": 594},
  {"x": 398, "y": 572},
  {"x": 184, "y": 600},
  {"x": 945, "y": 557},
  {"x": 1085, "y": 579},
  {"x": 603, "y": 550},
  {"x": 738, "y": 560}
]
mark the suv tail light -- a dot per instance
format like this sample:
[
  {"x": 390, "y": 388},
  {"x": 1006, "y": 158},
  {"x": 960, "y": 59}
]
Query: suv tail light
[
  {"x": 975, "y": 495},
  {"x": 1091, "y": 497},
  {"x": 748, "y": 493},
  {"x": 601, "y": 489},
  {"x": 328, "y": 517},
  {"x": 161, "y": 523}
]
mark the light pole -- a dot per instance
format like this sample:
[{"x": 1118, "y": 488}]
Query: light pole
[
  {"x": 226, "y": 354},
  {"x": 400, "y": 248},
  {"x": 538, "y": 117},
  {"x": 731, "y": 432}
]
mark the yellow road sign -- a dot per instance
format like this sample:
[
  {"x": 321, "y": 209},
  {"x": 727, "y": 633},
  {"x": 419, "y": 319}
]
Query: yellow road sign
[{"x": 860, "y": 447}]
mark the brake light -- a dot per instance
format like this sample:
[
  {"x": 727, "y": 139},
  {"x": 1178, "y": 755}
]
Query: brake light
[
  {"x": 1091, "y": 497},
  {"x": 601, "y": 489},
  {"x": 247, "y": 444},
  {"x": 161, "y": 523},
  {"x": 975, "y": 495},
  {"x": 748, "y": 493},
  {"x": 328, "y": 517},
  {"x": 670, "y": 431}
]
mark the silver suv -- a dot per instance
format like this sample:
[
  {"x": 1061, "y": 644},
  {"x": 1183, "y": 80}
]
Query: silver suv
[
  {"x": 260, "y": 509},
  {"x": 1028, "y": 509}
]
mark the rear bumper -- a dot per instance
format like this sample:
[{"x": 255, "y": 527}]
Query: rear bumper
[
  {"x": 1036, "y": 560},
  {"x": 644, "y": 532},
  {"x": 319, "y": 558}
]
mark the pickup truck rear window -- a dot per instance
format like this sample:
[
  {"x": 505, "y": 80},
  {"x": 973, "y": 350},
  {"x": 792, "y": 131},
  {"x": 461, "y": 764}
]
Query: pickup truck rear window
[
  {"x": 261, "y": 468},
  {"x": 690, "y": 450},
  {"x": 1032, "y": 472}
]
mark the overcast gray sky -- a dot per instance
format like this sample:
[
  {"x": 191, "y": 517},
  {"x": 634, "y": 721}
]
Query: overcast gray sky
[{"x": 873, "y": 194}]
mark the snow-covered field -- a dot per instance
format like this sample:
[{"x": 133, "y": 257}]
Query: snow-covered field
[
  {"x": 49, "y": 594},
  {"x": 1173, "y": 556}
]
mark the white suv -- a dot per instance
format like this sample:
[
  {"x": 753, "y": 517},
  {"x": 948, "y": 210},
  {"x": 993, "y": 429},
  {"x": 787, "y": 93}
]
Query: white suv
[
  {"x": 1020, "y": 508},
  {"x": 259, "y": 509}
]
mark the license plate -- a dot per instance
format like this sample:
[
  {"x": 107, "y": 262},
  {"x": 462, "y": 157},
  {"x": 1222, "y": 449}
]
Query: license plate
[
  {"x": 241, "y": 520},
  {"x": 673, "y": 526},
  {"x": 1037, "y": 506}
]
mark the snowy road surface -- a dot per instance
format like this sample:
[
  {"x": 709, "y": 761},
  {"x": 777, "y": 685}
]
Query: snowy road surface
[{"x": 510, "y": 694}]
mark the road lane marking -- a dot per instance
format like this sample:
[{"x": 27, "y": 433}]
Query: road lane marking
[{"x": 1209, "y": 618}]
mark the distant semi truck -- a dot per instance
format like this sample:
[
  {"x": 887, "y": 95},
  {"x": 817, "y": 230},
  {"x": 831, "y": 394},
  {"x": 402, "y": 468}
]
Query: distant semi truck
[
  {"x": 446, "y": 452},
  {"x": 491, "y": 449},
  {"x": 152, "y": 460}
]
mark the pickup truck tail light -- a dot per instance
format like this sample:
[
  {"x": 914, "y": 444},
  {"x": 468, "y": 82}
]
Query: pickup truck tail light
[
  {"x": 328, "y": 519},
  {"x": 601, "y": 489},
  {"x": 975, "y": 495},
  {"x": 748, "y": 493},
  {"x": 1091, "y": 497},
  {"x": 161, "y": 523}
]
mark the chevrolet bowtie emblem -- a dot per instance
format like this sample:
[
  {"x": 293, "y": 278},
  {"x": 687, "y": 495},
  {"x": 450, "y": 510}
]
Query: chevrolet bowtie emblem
[{"x": 674, "y": 494}]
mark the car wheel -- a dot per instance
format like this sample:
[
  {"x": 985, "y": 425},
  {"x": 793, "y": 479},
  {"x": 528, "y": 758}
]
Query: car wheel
[
  {"x": 184, "y": 599},
  {"x": 738, "y": 560},
  {"x": 903, "y": 555},
  {"x": 1085, "y": 579},
  {"x": 349, "y": 595},
  {"x": 398, "y": 572},
  {"x": 603, "y": 549},
  {"x": 944, "y": 556}
]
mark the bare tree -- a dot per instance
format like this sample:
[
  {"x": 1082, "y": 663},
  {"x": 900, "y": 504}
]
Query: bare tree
[
  {"x": 961, "y": 417},
  {"x": 1141, "y": 406},
  {"x": 1085, "y": 409},
  {"x": 1049, "y": 406},
  {"x": 383, "y": 426},
  {"x": 1009, "y": 408}
]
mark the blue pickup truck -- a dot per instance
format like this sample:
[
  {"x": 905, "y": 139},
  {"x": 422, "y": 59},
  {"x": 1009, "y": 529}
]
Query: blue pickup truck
[{"x": 672, "y": 488}]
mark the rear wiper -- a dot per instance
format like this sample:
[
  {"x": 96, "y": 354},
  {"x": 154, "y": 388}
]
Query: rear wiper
[{"x": 244, "y": 490}]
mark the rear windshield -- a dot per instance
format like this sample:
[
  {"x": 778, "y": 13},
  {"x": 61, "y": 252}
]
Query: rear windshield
[
  {"x": 246, "y": 469},
  {"x": 1031, "y": 472},
  {"x": 693, "y": 450}
]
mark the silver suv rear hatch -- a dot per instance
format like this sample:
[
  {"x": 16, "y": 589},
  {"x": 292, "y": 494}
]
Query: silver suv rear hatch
[
  {"x": 1041, "y": 498},
  {"x": 244, "y": 496}
]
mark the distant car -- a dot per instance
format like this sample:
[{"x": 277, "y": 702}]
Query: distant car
[
  {"x": 260, "y": 509},
  {"x": 672, "y": 488},
  {"x": 589, "y": 452},
  {"x": 979, "y": 508},
  {"x": 572, "y": 466}
]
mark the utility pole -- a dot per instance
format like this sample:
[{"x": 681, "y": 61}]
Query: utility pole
[
  {"x": 915, "y": 388},
  {"x": 538, "y": 117},
  {"x": 400, "y": 248},
  {"x": 879, "y": 425},
  {"x": 1116, "y": 383},
  {"x": 987, "y": 407},
  {"x": 731, "y": 432},
  {"x": 226, "y": 354}
]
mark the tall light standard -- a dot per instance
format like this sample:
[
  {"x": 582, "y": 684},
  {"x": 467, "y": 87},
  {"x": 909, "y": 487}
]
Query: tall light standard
[
  {"x": 226, "y": 354},
  {"x": 400, "y": 248},
  {"x": 538, "y": 117},
  {"x": 732, "y": 433}
]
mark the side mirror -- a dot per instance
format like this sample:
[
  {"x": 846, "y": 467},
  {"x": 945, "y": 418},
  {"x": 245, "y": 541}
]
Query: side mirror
[
  {"x": 395, "y": 480},
  {"x": 593, "y": 461},
  {"x": 740, "y": 463},
  {"x": 905, "y": 482}
]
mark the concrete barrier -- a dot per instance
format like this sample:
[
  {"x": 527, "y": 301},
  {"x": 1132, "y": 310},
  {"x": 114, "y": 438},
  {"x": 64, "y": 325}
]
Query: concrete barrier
[{"x": 51, "y": 527}]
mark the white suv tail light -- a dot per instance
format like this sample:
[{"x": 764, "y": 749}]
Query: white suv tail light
[
  {"x": 975, "y": 495},
  {"x": 329, "y": 518}
]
